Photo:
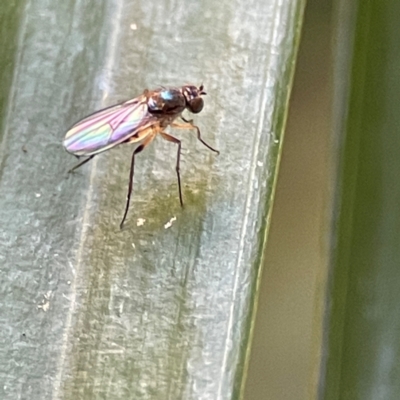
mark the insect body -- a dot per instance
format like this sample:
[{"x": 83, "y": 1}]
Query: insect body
[{"x": 136, "y": 121}]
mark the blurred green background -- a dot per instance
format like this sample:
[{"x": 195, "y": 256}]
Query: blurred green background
[
  {"x": 328, "y": 325},
  {"x": 285, "y": 354}
]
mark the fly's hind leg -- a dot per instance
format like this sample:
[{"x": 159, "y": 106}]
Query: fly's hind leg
[
  {"x": 81, "y": 163},
  {"x": 138, "y": 149},
  {"x": 173, "y": 139},
  {"x": 189, "y": 125}
]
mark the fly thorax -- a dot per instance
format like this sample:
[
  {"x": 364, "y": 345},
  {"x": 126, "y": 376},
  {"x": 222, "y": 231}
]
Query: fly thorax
[{"x": 166, "y": 101}]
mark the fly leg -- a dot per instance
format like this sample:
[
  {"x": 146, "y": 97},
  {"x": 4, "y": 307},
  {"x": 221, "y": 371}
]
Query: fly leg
[
  {"x": 188, "y": 121},
  {"x": 138, "y": 149},
  {"x": 173, "y": 139},
  {"x": 189, "y": 125},
  {"x": 81, "y": 163}
]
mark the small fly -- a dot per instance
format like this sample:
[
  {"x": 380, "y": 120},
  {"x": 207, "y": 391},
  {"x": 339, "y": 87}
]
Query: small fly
[{"x": 136, "y": 121}]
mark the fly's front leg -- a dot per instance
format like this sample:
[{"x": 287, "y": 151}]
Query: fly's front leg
[
  {"x": 189, "y": 125},
  {"x": 188, "y": 121}
]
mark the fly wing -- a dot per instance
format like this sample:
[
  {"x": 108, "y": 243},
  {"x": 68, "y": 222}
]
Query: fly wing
[{"x": 108, "y": 127}]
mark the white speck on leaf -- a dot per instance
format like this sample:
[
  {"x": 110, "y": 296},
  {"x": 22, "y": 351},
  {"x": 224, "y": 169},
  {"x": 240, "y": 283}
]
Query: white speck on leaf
[
  {"x": 140, "y": 222},
  {"x": 45, "y": 304},
  {"x": 169, "y": 223}
]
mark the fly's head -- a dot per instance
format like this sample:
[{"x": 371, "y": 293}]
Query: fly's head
[{"x": 194, "y": 101}]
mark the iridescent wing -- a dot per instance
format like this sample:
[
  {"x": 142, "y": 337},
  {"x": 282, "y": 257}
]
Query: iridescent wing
[{"x": 109, "y": 127}]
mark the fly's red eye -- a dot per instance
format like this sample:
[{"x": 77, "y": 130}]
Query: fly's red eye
[{"x": 196, "y": 105}]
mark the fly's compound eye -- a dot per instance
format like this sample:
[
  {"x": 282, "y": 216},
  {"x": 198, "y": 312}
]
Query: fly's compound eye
[{"x": 196, "y": 105}]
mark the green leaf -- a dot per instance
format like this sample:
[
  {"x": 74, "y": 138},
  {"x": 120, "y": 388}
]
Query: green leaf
[
  {"x": 363, "y": 340},
  {"x": 155, "y": 310}
]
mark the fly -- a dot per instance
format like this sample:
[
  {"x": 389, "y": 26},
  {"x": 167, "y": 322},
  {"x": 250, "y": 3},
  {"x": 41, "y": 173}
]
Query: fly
[{"x": 136, "y": 121}]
